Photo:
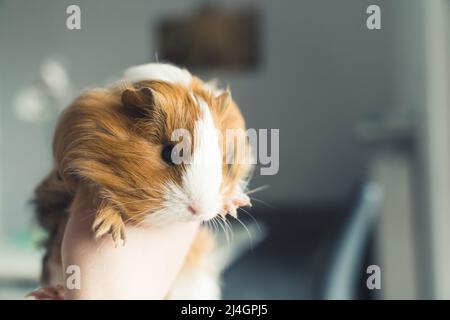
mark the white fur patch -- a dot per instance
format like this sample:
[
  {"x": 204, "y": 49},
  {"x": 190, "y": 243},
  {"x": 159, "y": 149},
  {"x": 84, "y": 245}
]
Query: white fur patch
[
  {"x": 203, "y": 176},
  {"x": 158, "y": 71},
  {"x": 201, "y": 181}
]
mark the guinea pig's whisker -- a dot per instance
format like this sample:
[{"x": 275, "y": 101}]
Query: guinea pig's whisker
[
  {"x": 220, "y": 224},
  {"x": 263, "y": 202},
  {"x": 257, "y": 189},
  {"x": 248, "y": 231},
  {"x": 219, "y": 227},
  {"x": 211, "y": 226},
  {"x": 253, "y": 218},
  {"x": 217, "y": 221},
  {"x": 227, "y": 229},
  {"x": 216, "y": 226}
]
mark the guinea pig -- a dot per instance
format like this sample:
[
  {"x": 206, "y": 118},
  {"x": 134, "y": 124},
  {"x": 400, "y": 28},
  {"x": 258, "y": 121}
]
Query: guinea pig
[{"x": 124, "y": 143}]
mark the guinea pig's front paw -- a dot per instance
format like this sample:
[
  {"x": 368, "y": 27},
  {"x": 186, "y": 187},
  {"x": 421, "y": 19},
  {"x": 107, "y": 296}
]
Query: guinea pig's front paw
[
  {"x": 109, "y": 221},
  {"x": 239, "y": 199}
]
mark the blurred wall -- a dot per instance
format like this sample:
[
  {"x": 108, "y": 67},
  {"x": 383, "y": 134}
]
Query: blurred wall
[{"x": 321, "y": 72}]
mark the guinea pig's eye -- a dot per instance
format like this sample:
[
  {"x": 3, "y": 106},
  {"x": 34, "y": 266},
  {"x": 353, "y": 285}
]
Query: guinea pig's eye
[{"x": 167, "y": 154}]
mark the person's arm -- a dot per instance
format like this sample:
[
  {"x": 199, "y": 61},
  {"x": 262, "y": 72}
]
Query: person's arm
[{"x": 144, "y": 268}]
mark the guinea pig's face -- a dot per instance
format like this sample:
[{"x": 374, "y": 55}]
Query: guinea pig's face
[
  {"x": 126, "y": 143},
  {"x": 183, "y": 177}
]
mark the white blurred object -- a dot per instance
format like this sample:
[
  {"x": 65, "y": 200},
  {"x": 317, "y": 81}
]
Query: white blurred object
[
  {"x": 29, "y": 105},
  {"x": 56, "y": 78},
  {"x": 44, "y": 99}
]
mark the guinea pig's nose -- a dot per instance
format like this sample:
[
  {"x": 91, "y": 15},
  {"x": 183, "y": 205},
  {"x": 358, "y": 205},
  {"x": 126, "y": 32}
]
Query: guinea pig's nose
[{"x": 192, "y": 209}]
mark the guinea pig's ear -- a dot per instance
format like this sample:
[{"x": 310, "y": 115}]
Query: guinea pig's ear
[
  {"x": 138, "y": 103},
  {"x": 224, "y": 100}
]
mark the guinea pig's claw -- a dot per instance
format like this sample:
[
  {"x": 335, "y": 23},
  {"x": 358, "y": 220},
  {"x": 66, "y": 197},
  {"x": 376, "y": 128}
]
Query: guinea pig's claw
[
  {"x": 240, "y": 200},
  {"x": 112, "y": 224},
  {"x": 232, "y": 210},
  {"x": 118, "y": 235}
]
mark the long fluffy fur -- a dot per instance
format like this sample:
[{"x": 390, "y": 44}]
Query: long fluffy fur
[{"x": 112, "y": 144}]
